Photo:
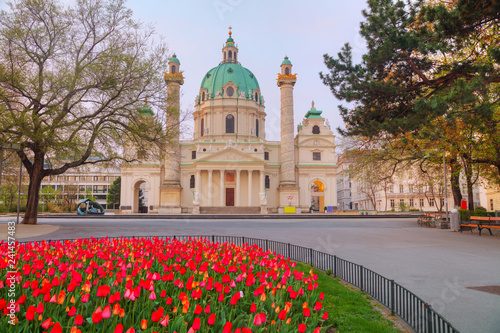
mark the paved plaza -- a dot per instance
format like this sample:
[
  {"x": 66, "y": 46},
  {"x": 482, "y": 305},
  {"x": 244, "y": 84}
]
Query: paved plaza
[{"x": 437, "y": 265}]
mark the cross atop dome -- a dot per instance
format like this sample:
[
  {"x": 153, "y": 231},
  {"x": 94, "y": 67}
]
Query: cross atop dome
[{"x": 230, "y": 32}]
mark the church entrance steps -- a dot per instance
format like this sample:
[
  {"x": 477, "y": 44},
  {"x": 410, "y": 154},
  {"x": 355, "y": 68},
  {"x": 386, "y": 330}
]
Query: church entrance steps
[{"x": 229, "y": 210}]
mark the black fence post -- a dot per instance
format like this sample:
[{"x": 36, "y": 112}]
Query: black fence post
[
  {"x": 334, "y": 266},
  {"x": 392, "y": 297},
  {"x": 213, "y": 238},
  {"x": 429, "y": 318},
  {"x": 311, "y": 256},
  {"x": 267, "y": 245},
  {"x": 361, "y": 277},
  {"x": 242, "y": 241},
  {"x": 288, "y": 250},
  {"x": 174, "y": 237}
]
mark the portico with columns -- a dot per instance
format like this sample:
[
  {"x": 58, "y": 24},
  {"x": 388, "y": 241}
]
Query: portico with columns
[{"x": 229, "y": 166}]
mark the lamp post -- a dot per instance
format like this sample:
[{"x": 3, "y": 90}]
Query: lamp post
[{"x": 445, "y": 187}]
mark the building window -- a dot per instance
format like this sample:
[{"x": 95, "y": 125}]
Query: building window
[
  {"x": 230, "y": 91},
  {"x": 315, "y": 129},
  {"x": 266, "y": 155},
  {"x": 267, "y": 182},
  {"x": 193, "y": 154},
  {"x": 491, "y": 204},
  {"x": 203, "y": 96},
  {"x": 442, "y": 202},
  {"x": 257, "y": 97},
  {"x": 392, "y": 203},
  {"x": 401, "y": 189},
  {"x": 401, "y": 202},
  {"x": 173, "y": 69},
  {"x": 96, "y": 178},
  {"x": 229, "y": 123},
  {"x": 257, "y": 127},
  {"x": 287, "y": 71},
  {"x": 431, "y": 202},
  {"x": 235, "y": 55},
  {"x": 422, "y": 202},
  {"x": 230, "y": 55},
  {"x": 224, "y": 55},
  {"x": 391, "y": 189},
  {"x": 202, "y": 127},
  {"x": 316, "y": 156},
  {"x": 410, "y": 188},
  {"x": 191, "y": 182},
  {"x": 411, "y": 203}
]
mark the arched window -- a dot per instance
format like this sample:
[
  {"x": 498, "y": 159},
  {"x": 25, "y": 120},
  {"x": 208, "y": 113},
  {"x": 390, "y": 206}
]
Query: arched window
[
  {"x": 230, "y": 55},
  {"x": 287, "y": 71},
  {"x": 224, "y": 55},
  {"x": 268, "y": 182},
  {"x": 229, "y": 123},
  {"x": 192, "y": 182},
  {"x": 202, "y": 126},
  {"x": 315, "y": 129},
  {"x": 257, "y": 97},
  {"x": 203, "y": 97},
  {"x": 257, "y": 127},
  {"x": 234, "y": 55},
  {"x": 173, "y": 69}
]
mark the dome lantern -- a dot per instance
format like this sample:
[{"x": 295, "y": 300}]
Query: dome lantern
[{"x": 230, "y": 51}]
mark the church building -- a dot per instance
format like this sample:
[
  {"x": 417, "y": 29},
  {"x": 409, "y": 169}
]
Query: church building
[{"x": 229, "y": 166}]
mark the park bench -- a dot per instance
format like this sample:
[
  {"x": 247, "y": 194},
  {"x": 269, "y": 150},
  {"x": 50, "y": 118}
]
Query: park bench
[
  {"x": 481, "y": 222},
  {"x": 430, "y": 219}
]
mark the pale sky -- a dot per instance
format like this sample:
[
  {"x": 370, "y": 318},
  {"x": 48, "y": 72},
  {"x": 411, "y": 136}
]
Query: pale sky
[{"x": 265, "y": 32}]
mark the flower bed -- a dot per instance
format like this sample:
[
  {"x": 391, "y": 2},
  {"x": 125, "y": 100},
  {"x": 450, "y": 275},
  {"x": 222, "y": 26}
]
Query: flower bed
[{"x": 153, "y": 285}]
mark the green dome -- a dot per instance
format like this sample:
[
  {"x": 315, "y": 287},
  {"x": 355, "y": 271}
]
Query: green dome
[
  {"x": 174, "y": 59},
  {"x": 225, "y": 72},
  {"x": 286, "y": 61}
]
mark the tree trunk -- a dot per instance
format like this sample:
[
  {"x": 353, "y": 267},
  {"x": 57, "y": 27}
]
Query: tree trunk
[
  {"x": 455, "y": 183},
  {"x": 36, "y": 177}
]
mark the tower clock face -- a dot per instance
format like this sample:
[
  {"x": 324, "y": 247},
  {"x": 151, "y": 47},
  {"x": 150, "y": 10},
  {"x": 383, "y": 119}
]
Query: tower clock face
[{"x": 230, "y": 91}]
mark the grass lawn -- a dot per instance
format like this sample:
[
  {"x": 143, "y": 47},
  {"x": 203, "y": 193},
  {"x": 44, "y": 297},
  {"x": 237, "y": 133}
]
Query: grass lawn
[{"x": 349, "y": 310}]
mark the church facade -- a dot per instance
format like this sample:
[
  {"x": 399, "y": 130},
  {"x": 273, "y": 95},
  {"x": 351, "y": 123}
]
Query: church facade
[{"x": 228, "y": 166}]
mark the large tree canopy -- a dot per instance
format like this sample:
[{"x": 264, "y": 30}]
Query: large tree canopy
[
  {"x": 429, "y": 65},
  {"x": 419, "y": 57},
  {"x": 72, "y": 79}
]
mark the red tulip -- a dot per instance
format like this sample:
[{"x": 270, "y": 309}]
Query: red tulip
[
  {"x": 253, "y": 308},
  {"x": 227, "y": 327},
  {"x": 72, "y": 311},
  {"x": 78, "y": 320},
  {"x": 307, "y": 312},
  {"x": 144, "y": 324},
  {"x": 130, "y": 330},
  {"x": 56, "y": 329},
  {"x": 198, "y": 309},
  {"x": 302, "y": 328},
  {"x": 282, "y": 315},
  {"x": 196, "y": 323},
  {"x": 321, "y": 295},
  {"x": 30, "y": 313},
  {"x": 211, "y": 319},
  {"x": 106, "y": 312},
  {"x": 85, "y": 298},
  {"x": 325, "y": 316},
  {"x": 164, "y": 321},
  {"x": 39, "y": 308},
  {"x": 47, "y": 323},
  {"x": 318, "y": 306},
  {"x": 256, "y": 320},
  {"x": 119, "y": 328}
]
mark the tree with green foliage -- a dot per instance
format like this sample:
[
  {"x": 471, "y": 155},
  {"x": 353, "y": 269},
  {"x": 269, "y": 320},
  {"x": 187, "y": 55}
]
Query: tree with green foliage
[
  {"x": 72, "y": 78},
  {"x": 113, "y": 196},
  {"x": 425, "y": 61}
]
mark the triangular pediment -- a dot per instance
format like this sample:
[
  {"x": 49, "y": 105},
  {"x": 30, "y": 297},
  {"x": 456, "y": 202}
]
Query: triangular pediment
[{"x": 230, "y": 155}]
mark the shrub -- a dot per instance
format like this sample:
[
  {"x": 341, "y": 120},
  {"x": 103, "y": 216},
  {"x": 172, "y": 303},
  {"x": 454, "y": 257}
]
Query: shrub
[
  {"x": 480, "y": 211},
  {"x": 465, "y": 214}
]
